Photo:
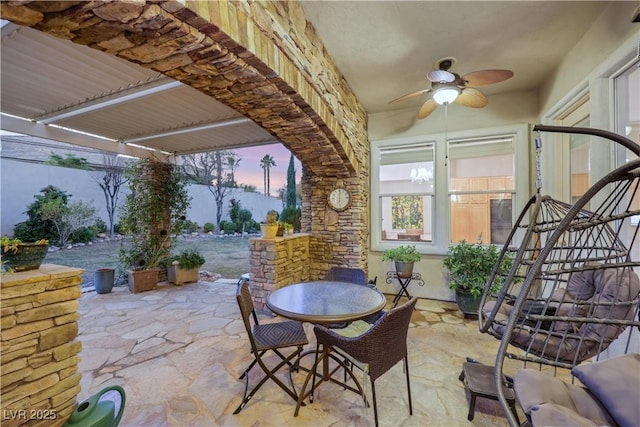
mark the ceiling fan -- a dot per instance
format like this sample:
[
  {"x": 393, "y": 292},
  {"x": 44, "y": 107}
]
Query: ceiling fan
[{"x": 447, "y": 87}]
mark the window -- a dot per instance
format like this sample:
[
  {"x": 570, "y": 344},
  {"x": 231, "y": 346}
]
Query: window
[
  {"x": 426, "y": 194},
  {"x": 577, "y": 173},
  {"x": 481, "y": 184},
  {"x": 626, "y": 86},
  {"x": 406, "y": 192}
]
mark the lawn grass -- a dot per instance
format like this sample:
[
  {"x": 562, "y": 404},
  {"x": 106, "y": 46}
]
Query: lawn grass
[{"x": 226, "y": 256}]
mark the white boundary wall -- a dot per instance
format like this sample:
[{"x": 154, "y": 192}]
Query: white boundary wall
[{"x": 21, "y": 181}]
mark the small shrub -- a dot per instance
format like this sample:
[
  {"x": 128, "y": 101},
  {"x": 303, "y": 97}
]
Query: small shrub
[
  {"x": 189, "y": 259},
  {"x": 190, "y": 226},
  {"x": 229, "y": 227},
  {"x": 83, "y": 235},
  {"x": 37, "y": 227},
  {"x": 292, "y": 216},
  {"x": 208, "y": 227},
  {"x": 100, "y": 226}
]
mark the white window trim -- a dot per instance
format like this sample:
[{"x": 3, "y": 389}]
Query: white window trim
[{"x": 441, "y": 215}]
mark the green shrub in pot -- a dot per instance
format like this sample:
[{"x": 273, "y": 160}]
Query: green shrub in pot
[
  {"x": 404, "y": 257},
  {"x": 470, "y": 265},
  {"x": 189, "y": 259}
]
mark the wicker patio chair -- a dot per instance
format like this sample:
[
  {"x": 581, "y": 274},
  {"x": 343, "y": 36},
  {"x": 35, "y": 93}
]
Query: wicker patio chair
[
  {"x": 346, "y": 274},
  {"x": 380, "y": 348},
  {"x": 264, "y": 338},
  {"x": 349, "y": 275}
]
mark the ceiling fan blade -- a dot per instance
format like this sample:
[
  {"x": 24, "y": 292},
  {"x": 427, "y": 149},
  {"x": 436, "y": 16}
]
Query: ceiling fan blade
[
  {"x": 410, "y": 95},
  {"x": 471, "y": 97},
  {"x": 427, "y": 108},
  {"x": 486, "y": 77},
  {"x": 441, "y": 76}
]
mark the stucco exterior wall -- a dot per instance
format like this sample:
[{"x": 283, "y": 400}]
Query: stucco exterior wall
[{"x": 21, "y": 181}]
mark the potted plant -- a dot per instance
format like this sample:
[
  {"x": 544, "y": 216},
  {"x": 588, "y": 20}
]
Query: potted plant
[
  {"x": 269, "y": 227},
  {"x": 18, "y": 256},
  {"x": 404, "y": 257},
  {"x": 185, "y": 267},
  {"x": 288, "y": 229},
  {"x": 153, "y": 213},
  {"x": 469, "y": 266}
]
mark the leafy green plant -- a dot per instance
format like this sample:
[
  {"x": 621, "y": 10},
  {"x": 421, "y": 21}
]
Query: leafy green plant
[
  {"x": 404, "y": 253},
  {"x": 208, "y": 227},
  {"x": 292, "y": 215},
  {"x": 69, "y": 161},
  {"x": 153, "y": 212},
  {"x": 189, "y": 259},
  {"x": 9, "y": 247},
  {"x": 68, "y": 218},
  {"x": 190, "y": 226},
  {"x": 470, "y": 266},
  {"x": 37, "y": 227},
  {"x": 9, "y": 244}
]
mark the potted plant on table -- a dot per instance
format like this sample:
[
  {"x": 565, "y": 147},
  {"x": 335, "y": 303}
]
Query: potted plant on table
[
  {"x": 18, "y": 256},
  {"x": 469, "y": 266},
  {"x": 404, "y": 257},
  {"x": 153, "y": 213},
  {"x": 185, "y": 267},
  {"x": 269, "y": 227}
]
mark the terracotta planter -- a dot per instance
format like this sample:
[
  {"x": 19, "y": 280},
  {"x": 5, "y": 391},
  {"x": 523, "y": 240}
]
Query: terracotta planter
[
  {"x": 143, "y": 280},
  {"x": 179, "y": 276}
]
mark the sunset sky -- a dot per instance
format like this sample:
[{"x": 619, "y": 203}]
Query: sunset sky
[{"x": 249, "y": 170}]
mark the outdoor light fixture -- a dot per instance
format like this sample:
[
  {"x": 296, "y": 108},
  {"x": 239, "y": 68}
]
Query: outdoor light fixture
[{"x": 446, "y": 95}]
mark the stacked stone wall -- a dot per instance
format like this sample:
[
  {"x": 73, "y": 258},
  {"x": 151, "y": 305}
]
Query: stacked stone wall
[
  {"x": 40, "y": 379},
  {"x": 276, "y": 263}
]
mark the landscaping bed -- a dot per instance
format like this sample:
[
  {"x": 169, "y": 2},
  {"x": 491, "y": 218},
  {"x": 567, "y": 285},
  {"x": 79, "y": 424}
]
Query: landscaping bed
[{"x": 226, "y": 256}]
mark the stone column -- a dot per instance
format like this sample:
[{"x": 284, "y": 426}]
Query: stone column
[{"x": 40, "y": 379}]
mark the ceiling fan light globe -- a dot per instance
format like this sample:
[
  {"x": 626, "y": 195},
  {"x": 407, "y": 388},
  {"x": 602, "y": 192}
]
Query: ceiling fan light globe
[{"x": 446, "y": 95}]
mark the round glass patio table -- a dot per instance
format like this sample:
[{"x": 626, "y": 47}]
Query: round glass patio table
[{"x": 326, "y": 301}]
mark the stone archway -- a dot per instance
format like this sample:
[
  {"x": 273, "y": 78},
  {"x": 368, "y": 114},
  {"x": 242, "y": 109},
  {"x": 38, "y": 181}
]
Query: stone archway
[{"x": 262, "y": 59}]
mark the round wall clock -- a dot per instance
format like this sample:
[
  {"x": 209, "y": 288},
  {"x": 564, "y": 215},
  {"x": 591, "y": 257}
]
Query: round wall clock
[{"x": 339, "y": 199}]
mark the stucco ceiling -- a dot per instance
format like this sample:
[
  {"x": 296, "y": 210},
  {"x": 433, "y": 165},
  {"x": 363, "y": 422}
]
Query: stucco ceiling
[{"x": 383, "y": 49}]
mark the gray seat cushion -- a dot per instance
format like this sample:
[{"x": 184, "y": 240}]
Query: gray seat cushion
[
  {"x": 549, "y": 401},
  {"x": 616, "y": 383}
]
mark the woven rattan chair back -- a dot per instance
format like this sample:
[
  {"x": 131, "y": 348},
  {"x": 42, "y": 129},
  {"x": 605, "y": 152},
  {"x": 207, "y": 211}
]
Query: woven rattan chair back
[
  {"x": 381, "y": 347},
  {"x": 346, "y": 274},
  {"x": 268, "y": 337}
]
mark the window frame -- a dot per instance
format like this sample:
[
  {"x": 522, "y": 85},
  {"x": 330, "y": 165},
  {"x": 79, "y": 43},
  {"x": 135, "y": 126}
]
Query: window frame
[{"x": 441, "y": 207}]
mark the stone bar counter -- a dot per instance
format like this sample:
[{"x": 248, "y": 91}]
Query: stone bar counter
[
  {"x": 39, "y": 354},
  {"x": 277, "y": 262}
]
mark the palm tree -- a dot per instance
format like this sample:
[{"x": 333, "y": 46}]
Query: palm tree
[
  {"x": 265, "y": 163},
  {"x": 233, "y": 161}
]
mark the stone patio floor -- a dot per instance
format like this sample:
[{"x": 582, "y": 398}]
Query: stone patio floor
[{"x": 178, "y": 352}]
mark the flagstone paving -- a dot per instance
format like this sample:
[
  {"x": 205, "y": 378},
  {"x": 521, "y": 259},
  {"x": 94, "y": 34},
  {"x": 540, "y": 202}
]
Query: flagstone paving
[{"x": 178, "y": 352}]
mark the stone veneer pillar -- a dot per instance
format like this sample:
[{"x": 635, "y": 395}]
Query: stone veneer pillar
[
  {"x": 40, "y": 379},
  {"x": 276, "y": 263}
]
